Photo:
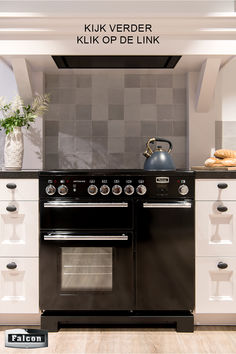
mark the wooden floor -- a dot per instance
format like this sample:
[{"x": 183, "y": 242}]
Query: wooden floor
[{"x": 205, "y": 339}]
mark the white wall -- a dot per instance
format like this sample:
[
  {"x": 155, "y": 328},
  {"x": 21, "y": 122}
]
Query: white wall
[
  {"x": 229, "y": 91},
  {"x": 201, "y": 126},
  {"x": 33, "y": 137},
  {"x": 8, "y": 89}
]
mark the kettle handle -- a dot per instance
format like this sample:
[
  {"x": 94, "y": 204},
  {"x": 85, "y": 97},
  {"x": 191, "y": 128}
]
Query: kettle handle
[{"x": 152, "y": 140}]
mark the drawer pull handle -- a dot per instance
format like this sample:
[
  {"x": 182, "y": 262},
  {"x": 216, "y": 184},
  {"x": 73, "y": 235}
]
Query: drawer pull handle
[
  {"x": 11, "y": 208},
  {"x": 222, "y": 185},
  {"x": 12, "y": 265},
  {"x": 11, "y": 185},
  {"x": 222, "y": 265},
  {"x": 222, "y": 208}
]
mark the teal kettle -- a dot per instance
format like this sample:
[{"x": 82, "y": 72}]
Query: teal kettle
[{"x": 159, "y": 159}]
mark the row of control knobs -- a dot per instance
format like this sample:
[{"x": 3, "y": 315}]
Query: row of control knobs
[{"x": 104, "y": 189}]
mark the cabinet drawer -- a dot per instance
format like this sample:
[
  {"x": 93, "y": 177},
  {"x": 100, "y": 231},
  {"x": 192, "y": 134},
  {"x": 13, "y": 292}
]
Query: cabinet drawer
[
  {"x": 19, "y": 230},
  {"x": 215, "y": 228},
  {"x": 19, "y": 289},
  {"x": 215, "y": 287},
  {"x": 214, "y": 189},
  {"x": 18, "y": 189}
]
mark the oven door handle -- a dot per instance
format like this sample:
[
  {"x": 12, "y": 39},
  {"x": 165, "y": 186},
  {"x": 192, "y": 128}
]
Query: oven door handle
[
  {"x": 57, "y": 237},
  {"x": 84, "y": 205},
  {"x": 168, "y": 205}
]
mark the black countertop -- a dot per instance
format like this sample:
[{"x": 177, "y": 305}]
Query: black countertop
[
  {"x": 19, "y": 174},
  {"x": 208, "y": 174}
]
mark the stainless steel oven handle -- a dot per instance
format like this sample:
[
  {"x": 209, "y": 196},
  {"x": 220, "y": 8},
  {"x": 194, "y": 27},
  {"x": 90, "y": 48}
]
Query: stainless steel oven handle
[
  {"x": 168, "y": 205},
  {"x": 85, "y": 238},
  {"x": 84, "y": 205}
]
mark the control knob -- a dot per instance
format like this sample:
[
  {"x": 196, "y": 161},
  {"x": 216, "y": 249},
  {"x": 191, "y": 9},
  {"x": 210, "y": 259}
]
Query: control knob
[
  {"x": 183, "y": 189},
  {"x": 141, "y": 189},
  {"x": 50, "y": 189},
  {"x": 104, "y": 189},
  {"x": 62, "y": 189},
  {"x": 116, "y": 189},
  {"x": 92, "y": 189},
  {"x": 129, "y": 189}
]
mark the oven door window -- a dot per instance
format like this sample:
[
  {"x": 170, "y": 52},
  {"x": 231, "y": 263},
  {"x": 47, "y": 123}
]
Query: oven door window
[{"x": 86, "y": 268}]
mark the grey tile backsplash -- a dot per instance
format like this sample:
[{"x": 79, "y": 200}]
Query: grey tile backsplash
[{"x": 102, "y": 119}]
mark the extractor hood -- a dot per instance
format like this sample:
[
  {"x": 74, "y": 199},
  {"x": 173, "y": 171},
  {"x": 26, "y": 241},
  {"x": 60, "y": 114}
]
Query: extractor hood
[{"x": 116, "y": 61}]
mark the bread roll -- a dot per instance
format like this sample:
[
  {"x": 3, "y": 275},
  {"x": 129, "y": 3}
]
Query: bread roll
[
  {"x": 213, "y": 161},
  {"x": 225, "y": 153},
  {"x": 229, "y": 162}
]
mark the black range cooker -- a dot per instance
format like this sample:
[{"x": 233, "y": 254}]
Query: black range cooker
[{"x": 116, "y": 248}]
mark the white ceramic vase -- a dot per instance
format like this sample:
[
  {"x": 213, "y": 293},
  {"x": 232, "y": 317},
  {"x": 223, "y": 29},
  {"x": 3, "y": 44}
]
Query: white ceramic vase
[{"x": 14, "y": 150}]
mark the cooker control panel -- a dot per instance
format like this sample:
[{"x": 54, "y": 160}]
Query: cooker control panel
[{"x": 114, "y": 186}]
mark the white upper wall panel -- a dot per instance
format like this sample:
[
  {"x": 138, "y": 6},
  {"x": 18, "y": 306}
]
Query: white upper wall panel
[{"x": 115, "y": 7}]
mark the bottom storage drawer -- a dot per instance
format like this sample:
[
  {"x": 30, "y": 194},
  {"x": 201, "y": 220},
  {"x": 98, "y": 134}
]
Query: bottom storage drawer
[
  {"x": 216, "y": 285},
  {"x": 19, "y": 289}
]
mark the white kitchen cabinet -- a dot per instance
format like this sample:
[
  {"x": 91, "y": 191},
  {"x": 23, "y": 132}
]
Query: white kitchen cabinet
[
  {"x": 209, "y": 189},
  {"x": 19, "y": 287},
  {"x": 19, "y": 228},
  {"x": 215, "y": 233},
  {"x": 216, "y": 290},
  {"x": 19, "y": 247},
  {"x": 215, "y": 229},
  {"x": 18, "y": 189}
]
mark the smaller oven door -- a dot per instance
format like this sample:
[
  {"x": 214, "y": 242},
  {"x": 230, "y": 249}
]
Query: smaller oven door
[
  {"x": 86, "y": 215},
  {"x": 86, "y": 271}
]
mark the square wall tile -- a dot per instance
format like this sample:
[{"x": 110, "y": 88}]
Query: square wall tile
[
  {"x": 164, "y": 128},
  {"x": 164, "y": 96},
  {"x": 67, "y": 81},
  {"x": 179, "y": 81},
  {"x": 131, "y": 160},
  {"x": 84, "y": 80},
  {"x": 115, "y": 160},
  {"x": 51, "y": 144},
  {"x": 132, "y": 112},
  {"x": 51, "y": 81},
  {"x": 51, "y": 128},
  {"x": 179, "y": 112},
  {"x": 164, "y": 80},
  {"x": 148, "y": 129},
  {"x": 65, "y": 144},
  {"x": 83, "y": 128},
  {"x": 132, "y": 96},
  {"x": 83, "y": 96},
  {"x": 116, "y": 96},
  {"x": 66, "y": 128},
  {"x": 148, "y": 95},
  {"x": 52, "y": 161},
  {"x": 147, "y": 80},
  {"x": 179, "y": 128},
  {"x": 116, "y": 145},
  {"x": 165, "y": 112},
  {"x": 99, "y": 128},
  {"x": 100, "y": 145},
  {"x": 148, "y": 112},
  {"x": 179, "y": 96},
  {"x": 132, "y": 128},
  {"x": 83, "y": 144},
  {"x": 116, "y": 128},
  {"x": 84, "y": 112},
  {"x": 67, "y": 95},
  {"x": 132, "y": 80},
  {"x": 100, "y": 160},
  {"x": 115, "y": 112},
  {"x": 133, "y": 144},
  {"x": 100, "y": 112}
]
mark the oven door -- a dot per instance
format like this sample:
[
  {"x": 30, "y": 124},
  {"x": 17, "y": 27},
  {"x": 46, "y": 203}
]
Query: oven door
[
  {"x": 165, "y": 255},
  {"x": 81, "y": 271},
  {"x": 86, "y": 215}
]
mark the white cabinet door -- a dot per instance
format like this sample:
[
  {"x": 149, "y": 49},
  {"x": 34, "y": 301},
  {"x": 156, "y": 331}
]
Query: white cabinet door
[
  {"x": 215, "y": 228},
  {"x": 208, "y": 189},
  {"x": 19, "y": 291},
  {"x": 24, "y": 189},
  {"x": 19, "y": 229},
  {"x": 215, "y": 287}
]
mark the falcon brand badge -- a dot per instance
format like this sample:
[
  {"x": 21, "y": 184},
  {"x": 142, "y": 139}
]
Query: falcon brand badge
[{"x": 26, "y": 338}]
